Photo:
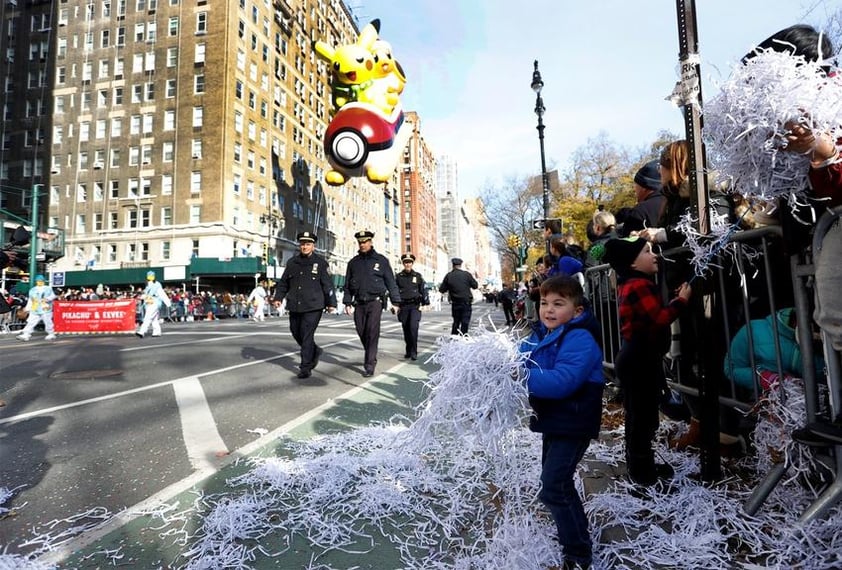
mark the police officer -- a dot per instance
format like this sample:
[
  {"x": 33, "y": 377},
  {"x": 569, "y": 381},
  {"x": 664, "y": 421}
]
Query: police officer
[
  {"x": 458, "y": 284},
  {"x": 308, "y": 288},
  {"x": 413, "y": 294},
  {"x": 368, "y": 280}
]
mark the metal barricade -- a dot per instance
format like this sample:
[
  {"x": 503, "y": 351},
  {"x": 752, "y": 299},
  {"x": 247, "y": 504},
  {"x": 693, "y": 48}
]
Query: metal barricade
[{"x": 11, "y": 322}]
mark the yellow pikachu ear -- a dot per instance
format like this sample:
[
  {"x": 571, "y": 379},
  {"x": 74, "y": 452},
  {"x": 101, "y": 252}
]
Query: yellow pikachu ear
[
  {"x": 325, "y": 51},
  {"x": 368, "y": 35}
]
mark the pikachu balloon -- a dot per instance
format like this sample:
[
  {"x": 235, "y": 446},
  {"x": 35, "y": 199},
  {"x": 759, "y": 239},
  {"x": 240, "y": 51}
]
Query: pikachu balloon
[{"x": 365, "y": 137}]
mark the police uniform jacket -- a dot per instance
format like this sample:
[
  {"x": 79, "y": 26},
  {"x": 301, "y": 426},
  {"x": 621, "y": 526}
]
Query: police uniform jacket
[
  {"x": 306, "y": 284},
  {"x": 369, "y": 276},
  {"x": 458, "y": 283},
  {"x": 411, "y": 288}
]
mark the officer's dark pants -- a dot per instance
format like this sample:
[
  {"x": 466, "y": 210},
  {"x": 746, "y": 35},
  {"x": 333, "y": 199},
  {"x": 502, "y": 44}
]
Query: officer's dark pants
[
  {"x": 640, "y": 369},
  {"x": 509, "y": 312},
  {"x": 461, "y": 313},
  {"x": 367, "y": 322},
  {"x": 410, "y": 317},
  {"x": 303, "y": 328}
]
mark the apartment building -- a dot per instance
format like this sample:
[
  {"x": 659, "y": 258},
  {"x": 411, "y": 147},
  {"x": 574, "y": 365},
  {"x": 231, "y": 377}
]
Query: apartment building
[
  {"x": 172, "y": 131},
  {"x": 418, "y": 189}
]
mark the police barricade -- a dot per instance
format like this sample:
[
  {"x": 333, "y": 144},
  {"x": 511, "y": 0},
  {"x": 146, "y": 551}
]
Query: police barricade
[
  {"x": 13, "y": 321},
  {"x": 94, "y": 317},
  {"x": 752, "y": 280}
]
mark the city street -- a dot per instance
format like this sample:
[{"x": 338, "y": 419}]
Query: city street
[{"x": 98, "y": 424}]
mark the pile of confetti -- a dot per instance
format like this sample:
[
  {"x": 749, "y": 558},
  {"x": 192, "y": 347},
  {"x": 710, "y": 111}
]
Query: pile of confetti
[{"x": 456, "y": 489}]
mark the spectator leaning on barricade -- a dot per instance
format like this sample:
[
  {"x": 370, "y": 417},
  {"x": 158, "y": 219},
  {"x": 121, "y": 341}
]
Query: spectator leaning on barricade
[
  {"x": 369, "y": 280},
  {"x": 651, "y": 202},
  {"x": 458, "y": 284},
  {"x": 644, "y": 327}
]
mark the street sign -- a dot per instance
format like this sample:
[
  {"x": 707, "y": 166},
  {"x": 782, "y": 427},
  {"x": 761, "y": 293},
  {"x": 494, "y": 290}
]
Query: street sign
[{"x": 57, "y": 279}]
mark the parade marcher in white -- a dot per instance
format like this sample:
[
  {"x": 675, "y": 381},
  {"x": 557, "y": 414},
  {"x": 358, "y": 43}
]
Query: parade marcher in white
[
  {"x": 153, "y": 297},
  {"x": 257, "y": 298},
  {"x": 40, "y": 308}
]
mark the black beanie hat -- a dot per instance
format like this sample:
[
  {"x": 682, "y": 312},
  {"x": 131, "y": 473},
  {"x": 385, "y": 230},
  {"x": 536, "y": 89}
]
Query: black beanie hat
[
  {"x": 621, "y": 253},
  {"x": 649, "y": 176}
]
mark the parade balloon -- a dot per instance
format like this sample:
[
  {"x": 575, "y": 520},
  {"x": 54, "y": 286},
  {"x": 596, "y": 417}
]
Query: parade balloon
[{"x": 365, "y": 136}]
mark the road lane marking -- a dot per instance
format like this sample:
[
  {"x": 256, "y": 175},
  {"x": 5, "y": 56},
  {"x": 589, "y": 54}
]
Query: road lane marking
[
  {"x": 167, "y": 494},
  {"x": 198, "y": 425},
  {"x": 36, "y": 413}
]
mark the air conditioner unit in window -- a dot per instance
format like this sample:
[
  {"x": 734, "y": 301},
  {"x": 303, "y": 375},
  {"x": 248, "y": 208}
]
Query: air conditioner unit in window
[
  {"x": 197, "y": 155},
  {"x": 98, "y": 166}
]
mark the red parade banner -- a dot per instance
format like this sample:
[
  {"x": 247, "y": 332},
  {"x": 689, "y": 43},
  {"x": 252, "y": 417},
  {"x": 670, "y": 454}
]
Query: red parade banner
[{"x": 87, "y": 317}]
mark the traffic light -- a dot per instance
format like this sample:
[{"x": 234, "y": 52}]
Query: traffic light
[
  {"x": 512, "y": 241},
  {"x": 265, "y": 254}
]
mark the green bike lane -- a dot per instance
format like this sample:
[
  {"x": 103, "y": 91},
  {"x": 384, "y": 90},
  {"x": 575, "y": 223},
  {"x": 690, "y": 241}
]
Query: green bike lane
[{"x": 140, "y": 538}]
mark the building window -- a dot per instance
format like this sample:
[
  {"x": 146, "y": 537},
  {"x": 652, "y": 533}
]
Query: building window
[
  {"x": 112, "y": 220},
  {"x": 80, "y": 223},
  {"x": 202, "y": 23},
  {"x": 170, "y": 88},
  {"x": 199, "y": 56},
  {"x": 197, "y": 116},
  {"x": 168, "y": 150},
  {"x": 169, "y": 120},
  {"x": 196, "y": 148},
  {"x": 172, "y": 28},
  {"x": 195, "y": 218},
  {"x": 166, "y": 251},
  {"x": 166, "y": 184},
  {"x": 238, "y": 182},
  {"x": 166, "y": 216},
  {"x": 172, "y": 56},
  {"x": 195, "y": 181},
  {"x": 112, "y": 252},
  {"x": 198, "y": 84}
]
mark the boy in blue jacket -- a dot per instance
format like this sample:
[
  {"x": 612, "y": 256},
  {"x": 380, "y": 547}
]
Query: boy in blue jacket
[{"x": 565, "y": 382}]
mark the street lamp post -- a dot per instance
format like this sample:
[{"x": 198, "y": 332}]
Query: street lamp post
[{"x": 537, "y": 86}]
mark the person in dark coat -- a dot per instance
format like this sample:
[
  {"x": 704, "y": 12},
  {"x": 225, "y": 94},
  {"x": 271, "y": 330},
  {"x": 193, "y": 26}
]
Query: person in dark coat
[
  {"x": 651, "y": 201},
  {"x": 369, "y": 279},
  {"x": 508, "y": 296},
  {"x": 307, "y": 287},
  {"x": 458, "y": 284},
  {"x": 413, "y": 294}
]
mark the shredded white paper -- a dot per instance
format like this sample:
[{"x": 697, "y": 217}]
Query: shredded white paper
[
  {"x": 745, "y": 123},
  {"x": 456, "y": 489}
]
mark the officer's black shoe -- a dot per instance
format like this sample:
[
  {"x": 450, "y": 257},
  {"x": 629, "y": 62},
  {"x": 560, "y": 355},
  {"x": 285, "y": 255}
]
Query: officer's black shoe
[
  {"x": 368, "y": 373},
  {"x": 304, "y": 374},
  {"x": 406, "y": 356},
  {"x": 319, "y": 352},
  {"x": 413, "y": 357}
]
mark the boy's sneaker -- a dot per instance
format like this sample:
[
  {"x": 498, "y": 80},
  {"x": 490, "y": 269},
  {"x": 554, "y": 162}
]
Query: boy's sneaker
[
  {"x": 50, "y": 337},
  {"x": 23, "y": 337}
]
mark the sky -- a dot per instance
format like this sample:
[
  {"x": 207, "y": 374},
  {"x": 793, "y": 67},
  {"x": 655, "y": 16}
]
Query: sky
[{"x": 607, "y": 65}]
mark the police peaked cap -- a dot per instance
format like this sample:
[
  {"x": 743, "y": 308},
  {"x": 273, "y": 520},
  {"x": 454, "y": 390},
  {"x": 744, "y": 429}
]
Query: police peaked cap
[
  {"x": 364, "y": 235},
  {"x": 307, "y": 237}
]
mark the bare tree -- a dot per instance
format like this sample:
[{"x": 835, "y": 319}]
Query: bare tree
[
  {"x": 595, "y": 168},
  {"x": 510, "y": 208}
]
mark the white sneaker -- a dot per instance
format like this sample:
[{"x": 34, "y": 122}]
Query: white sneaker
[
  {"x": 50, "y": 337},
  {"x": 23, "y": 337}
]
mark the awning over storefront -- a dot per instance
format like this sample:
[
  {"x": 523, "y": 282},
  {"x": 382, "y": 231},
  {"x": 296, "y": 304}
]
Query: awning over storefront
[{"x": 199, "y": 267}]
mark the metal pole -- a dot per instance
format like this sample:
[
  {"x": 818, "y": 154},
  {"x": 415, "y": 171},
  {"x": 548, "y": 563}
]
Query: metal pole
[
  {"x": 705, "y": 348},
  {"x": 537, "y": 85},
  {"x": 33, "y": 236}
]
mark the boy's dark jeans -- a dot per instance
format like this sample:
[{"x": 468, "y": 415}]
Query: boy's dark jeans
[{"x": 559, "y": 458}]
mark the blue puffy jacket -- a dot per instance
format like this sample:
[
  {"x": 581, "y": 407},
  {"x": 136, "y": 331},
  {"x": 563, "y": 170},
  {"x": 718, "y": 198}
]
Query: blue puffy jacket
[{"x": 565, "y": 378}]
